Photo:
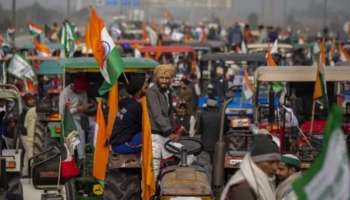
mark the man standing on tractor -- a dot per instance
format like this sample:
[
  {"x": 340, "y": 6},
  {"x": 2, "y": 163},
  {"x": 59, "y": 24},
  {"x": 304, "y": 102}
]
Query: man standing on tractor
[
  {"x": 29, "y": 125},
  {"x": 287, "y": 172},
  {"x": 160, "y": 112},
  {"x": 74, "y": 97},
  {"x": 126, "y": 133},
  {"x": 255, "y": 177}
]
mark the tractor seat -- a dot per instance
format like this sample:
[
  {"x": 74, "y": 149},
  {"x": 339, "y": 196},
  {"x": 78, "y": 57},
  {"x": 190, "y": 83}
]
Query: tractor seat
[{"x": 124, "y": 161}]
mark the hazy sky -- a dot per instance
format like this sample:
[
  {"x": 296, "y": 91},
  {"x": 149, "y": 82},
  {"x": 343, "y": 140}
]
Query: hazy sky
[
  {"x": 274, "y": 9},
  {"x": 244, "y": 4}
]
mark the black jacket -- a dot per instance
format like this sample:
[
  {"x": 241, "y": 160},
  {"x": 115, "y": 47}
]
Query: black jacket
[
  {"x": 128, "y": 122},
  {"x": 209, "y": 128}
]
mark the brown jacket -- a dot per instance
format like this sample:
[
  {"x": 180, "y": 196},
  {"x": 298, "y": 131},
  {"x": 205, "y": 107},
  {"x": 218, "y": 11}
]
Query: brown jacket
[{"x": 241, "y": 191}]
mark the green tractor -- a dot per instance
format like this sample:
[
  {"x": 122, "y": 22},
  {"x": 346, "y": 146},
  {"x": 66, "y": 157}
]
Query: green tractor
[
  {"x": 49, "y": 136},
  {"x": 10, "y": 153}
]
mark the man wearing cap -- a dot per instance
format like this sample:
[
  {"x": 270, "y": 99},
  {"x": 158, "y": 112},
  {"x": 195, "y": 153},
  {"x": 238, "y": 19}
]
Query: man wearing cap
[
  {"x": 287, "y": 171},
  {"x": 160, "y": 112},
  {"x": 74, "y": 97},
  {"x": 126, "y": 133},
  {"x": 255, "y": 177}
]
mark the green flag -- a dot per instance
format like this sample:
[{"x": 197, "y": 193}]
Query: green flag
[
  {"x": 329, "y": 176},
  {"x": 68, "y": 123},
  {"x": 67, "y": 38},
  {"x": 277, "y": 86}
]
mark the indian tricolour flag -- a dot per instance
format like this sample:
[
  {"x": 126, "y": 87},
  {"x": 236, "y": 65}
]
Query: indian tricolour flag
[
  {"x": 41, "y": 48},
  {"x": 344, "y": 54},
  {"x": 277, "y": 86},
  {"x": 101, "y": 151},
  {"x": 35, "y": 29},
  {"x": 247, "y": 86},
  {"x": 105, "y": 52},
  {"x": 329, "y": 176},
  {"x": 320, "y": 89}
]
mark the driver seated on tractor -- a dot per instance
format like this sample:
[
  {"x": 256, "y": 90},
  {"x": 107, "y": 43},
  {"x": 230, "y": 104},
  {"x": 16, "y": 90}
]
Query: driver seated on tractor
[
  {"x": 74, "y": 97},
  {"x": 126, "y": 133},
  {"x": 159, "y": 102}
]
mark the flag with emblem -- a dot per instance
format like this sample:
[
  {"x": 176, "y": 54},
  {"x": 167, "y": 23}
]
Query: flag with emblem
[
  {"x": 329, "y": 175},
  {"x": 106, "y": 54}
]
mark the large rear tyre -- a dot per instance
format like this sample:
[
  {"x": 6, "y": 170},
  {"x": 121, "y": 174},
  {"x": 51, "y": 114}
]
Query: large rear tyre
[
  {"x": 69, "y": 190},
  {"x": 15, "y": 191},
  {"x": 122, "y": 185},
  {"x": 40, "y": 138}
]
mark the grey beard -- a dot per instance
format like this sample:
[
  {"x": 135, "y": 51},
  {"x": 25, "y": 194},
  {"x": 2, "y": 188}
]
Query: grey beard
[{"x": 272, "y": 181}]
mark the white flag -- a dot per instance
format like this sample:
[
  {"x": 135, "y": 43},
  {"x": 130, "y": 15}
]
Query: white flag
[
  {"x": 20, "y": 68},
  {"x": 329, "y": 175}
]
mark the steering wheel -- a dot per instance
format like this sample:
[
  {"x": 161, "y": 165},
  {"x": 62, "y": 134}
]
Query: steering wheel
[{"x": 192, "y": 146}]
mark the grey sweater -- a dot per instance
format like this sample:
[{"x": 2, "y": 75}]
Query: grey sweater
[{"x": 159, "y": 109}]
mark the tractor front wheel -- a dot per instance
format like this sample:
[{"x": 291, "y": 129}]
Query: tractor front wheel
[{"x": 122, "y": 185}]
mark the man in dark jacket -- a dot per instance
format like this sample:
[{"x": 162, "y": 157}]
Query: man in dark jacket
[
  {"x": 208, "y": 126},
  {"x": 160, "y": 113},
  {"x": 126, "y": 133},
  {"x": 255, "y": 177}
]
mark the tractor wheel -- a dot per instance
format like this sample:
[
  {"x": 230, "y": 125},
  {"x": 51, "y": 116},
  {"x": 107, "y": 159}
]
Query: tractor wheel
[
  {"x": 122, "y": 185},
  {"x": 15, "y": 191},
  {"x": 40, "y": 138},
  {"x": 69, "y": 190}
]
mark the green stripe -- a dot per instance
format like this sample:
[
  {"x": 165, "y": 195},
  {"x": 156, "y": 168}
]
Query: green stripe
[
  {"x": 67, "y": 37},
  {"x": 335, "y": 120},
  {"x": 277, "y": 86},
  {"x": 115, "y": 67}
]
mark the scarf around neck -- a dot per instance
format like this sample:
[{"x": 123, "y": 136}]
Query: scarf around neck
[{"x": 256, "y": 178}]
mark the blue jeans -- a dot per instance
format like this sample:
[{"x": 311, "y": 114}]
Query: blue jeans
[{"x": 133, "y": 146}]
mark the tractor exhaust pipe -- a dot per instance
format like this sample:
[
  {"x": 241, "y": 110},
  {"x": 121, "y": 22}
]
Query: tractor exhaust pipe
[{"x": 219, "y": 155}]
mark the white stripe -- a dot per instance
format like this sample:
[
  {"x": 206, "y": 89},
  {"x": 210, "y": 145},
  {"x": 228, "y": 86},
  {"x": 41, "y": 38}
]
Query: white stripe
[
  {"x": 35, "y": 29},
  {"x": 95, "y": 134},
  {"x": 106, "y": 39},
  {"x": 246, "y": 90},
  {"x": 336, "y": 162},
  {"x": 108, "y": 45}
]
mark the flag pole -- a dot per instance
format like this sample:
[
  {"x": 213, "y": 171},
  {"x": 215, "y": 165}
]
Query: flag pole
[
  {"x": 126, "y": 79},
  {"x": 312, "y": 116},
  {"x": 304, "y": 136}
]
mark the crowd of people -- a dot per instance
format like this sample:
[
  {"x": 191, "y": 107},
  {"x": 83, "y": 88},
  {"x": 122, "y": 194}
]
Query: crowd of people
[{"x": 174, "y": 109}]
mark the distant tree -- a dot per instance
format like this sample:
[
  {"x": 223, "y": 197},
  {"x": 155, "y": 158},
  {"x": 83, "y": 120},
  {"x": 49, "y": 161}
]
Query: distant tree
[{"x": 253, "y": 20}]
